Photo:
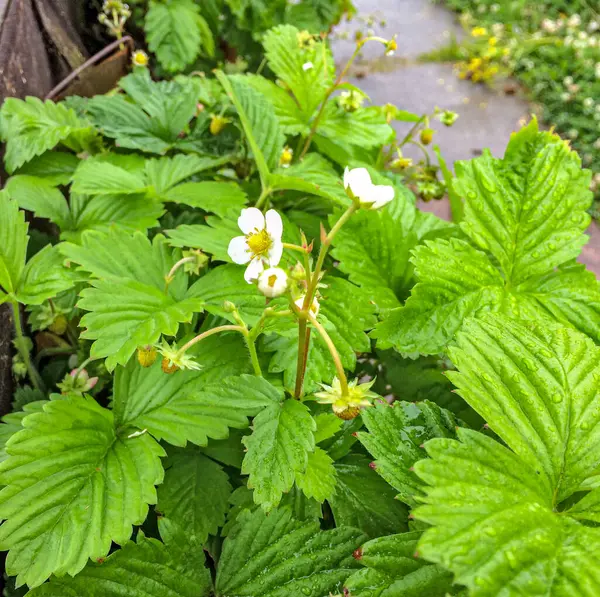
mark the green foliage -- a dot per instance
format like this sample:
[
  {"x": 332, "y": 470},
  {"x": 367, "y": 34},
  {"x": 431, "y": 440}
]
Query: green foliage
[
  {"x": 276, "y": 555},
  {"x": 392, "y": 568},
  {"x": 93, "y": 491},
  {"x": 524, "y": 213}
]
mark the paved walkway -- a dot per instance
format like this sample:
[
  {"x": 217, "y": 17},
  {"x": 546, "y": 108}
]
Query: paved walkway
[{"x": 487, "y": 117}]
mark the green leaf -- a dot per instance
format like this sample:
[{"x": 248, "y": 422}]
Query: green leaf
[
  {"x": 278, "y": 450},
  {"x": 222, "y": 198},
  {"x": 213, "y": 238},
  {"x": 226, "y": 283},
  {"x": 194, "y": 494},
  {"x": 164, "y": 173},
  {"x": 314, "y": 175},
  {"x": 536, "y": 388},
  {"x": 366, "y": 127},
  {"x": 528, "y": 209},
  {"x": 129, "y": 305},
  {"x": 502, "y": 536},
  {"x": 92, "y": 491},
  {"x": 277, "y": 556},
  {"x": 179, "y": 408},
  {"x": 95, "y": 176},
  {"x": 41, "y": 197},
  {"x": 288, "y": 113},
  {"x": 172, "y": 33},
  {"x": 44, "y": 277},
  {"x": 13, "y": 244},
  {"x": 364, "y": 500},
  {"x": 318, "y": 481},
  {"x": 395, "y": 438},
  {"x": 103, "y": 212},
  {"x": 515, "y": 209},
  {"x": 259, "y": 121},
  {"x": 455, "y": 281},
  {"x": 30, "y": 127},
  {"x": 55, "y": 167},
  {"x": 392, "y": 569},
  {"x": 228, "y": 451},
  {"x": 13, "y": 422},
  {"x": 143, "y": 569},
  {"x": 328, "y": 425},
  {"x": 286, "y": 59}
]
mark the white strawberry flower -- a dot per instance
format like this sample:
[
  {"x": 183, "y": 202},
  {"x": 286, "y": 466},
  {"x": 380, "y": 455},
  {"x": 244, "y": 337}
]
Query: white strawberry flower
[
  {"x": 261, "y": 244},
  {"x": 314, "y": 308},
  {"x": 273, "y": 282},
  {"x": 358, "y": 185}
]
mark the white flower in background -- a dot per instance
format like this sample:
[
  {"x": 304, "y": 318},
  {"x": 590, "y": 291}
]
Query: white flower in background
[
  {"x": 273, "y": 282},
  {"x": 307, "y": 66},
  {"x": 261, "y": 244},
  {"x": 314, "y": 308},
  {"x": 358, "y": 185}
]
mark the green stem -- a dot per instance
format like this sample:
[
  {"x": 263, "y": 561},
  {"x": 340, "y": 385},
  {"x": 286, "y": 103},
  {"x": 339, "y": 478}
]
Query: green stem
[
  {"x": 200, "y": 337},
  {"x": 422, "y": 148},
  {"x": 302, "y": 352},
  {"x": 20, "y": 344},
  {"x": 334, "y": 354},
  {"x": 253, "y": 356},
  {"x": 263, "y": 197}
]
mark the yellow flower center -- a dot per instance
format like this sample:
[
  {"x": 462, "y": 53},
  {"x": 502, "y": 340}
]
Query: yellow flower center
[
  {"x": 259, "y": 242},
  {"x": 271, "y": 281}
]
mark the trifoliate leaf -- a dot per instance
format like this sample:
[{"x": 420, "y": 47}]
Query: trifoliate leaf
[
  {"x": 364, "y": 500},
  {"x": 278, "y": 449},
  {"x": 143, "y": 569},
  {"x": 41, "y": 197},
  {"x": 395, "y": 438},
  {"x": 172, "y": 32},
  {"x": 537, "y": 389},
  {"x": 529, "y": 209},
  {"x": 44, "y": 277},
  {"x": 194, "y": 493},
  {"x": 307, "y": 70},
  {"x": 515, "y": 209},
  {"x": 318, "y": 481},
  {"x": 276, "y": 556},
  {"x": 503, "y": 536},
  {"x": 130, "y": 305},
  {"x": 13, "y": 244},
  {"x": 92, "y": 491},
  {"x": 393, "y": 569},
  {"x": 180, "y": 408},
  {"x": 55, "y": 167},
  {"x": 30, "y": 127}
]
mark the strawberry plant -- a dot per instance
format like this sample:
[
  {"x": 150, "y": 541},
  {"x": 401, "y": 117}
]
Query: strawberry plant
[{"x": 249, "y": 365}]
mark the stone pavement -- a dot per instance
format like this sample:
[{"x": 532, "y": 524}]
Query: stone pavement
[{"x": 486, "y": 117}]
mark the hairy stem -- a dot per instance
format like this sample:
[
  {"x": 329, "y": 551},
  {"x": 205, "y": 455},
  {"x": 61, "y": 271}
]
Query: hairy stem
[
  {"x": 200, "y": 337},
  {"x": 263, "y": 197},
  {"x": 169, "y": 276},
  {"x": 20, "y": 344},
  {"x": 337, "y": 361}
]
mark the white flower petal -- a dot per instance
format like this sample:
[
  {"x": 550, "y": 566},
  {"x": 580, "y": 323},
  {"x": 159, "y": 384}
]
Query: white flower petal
[
  {"x": 273, "y": 282},
  {"x": 254, "y": 269},
  {"x": 238, "y": 250},
  {"x": 275, "y": 252},
  {"x": 274, "y": 224},
  {"x": 307, "y": 66},
  {"x": 359, "y": 181},
  {"x": 251, "y": 219},
  {"x": 384, "y": 194}
]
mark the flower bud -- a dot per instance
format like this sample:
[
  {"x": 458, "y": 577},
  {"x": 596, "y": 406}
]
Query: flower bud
[
  {"x": 390, "y": 47},
  {"x": 228, "y": 307},
  {"x": 272, "y": 282},
  {"x": 217, "y": 124},
  {"x": 146, "y": 355},
  {"x": 285, "y": 159},
  {"x": 426, "y": 136},
  {"x": 59, "y": 325}
]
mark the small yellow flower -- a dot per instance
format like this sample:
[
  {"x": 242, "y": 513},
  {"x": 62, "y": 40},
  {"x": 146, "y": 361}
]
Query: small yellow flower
[
  {"x": 391, "y": 47},
  {"x": 478, "y": 31},
  {"x": 217, "y": 124},
  {"x": 492, "y": 41},
  {"x": 349, "y": 406}
]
